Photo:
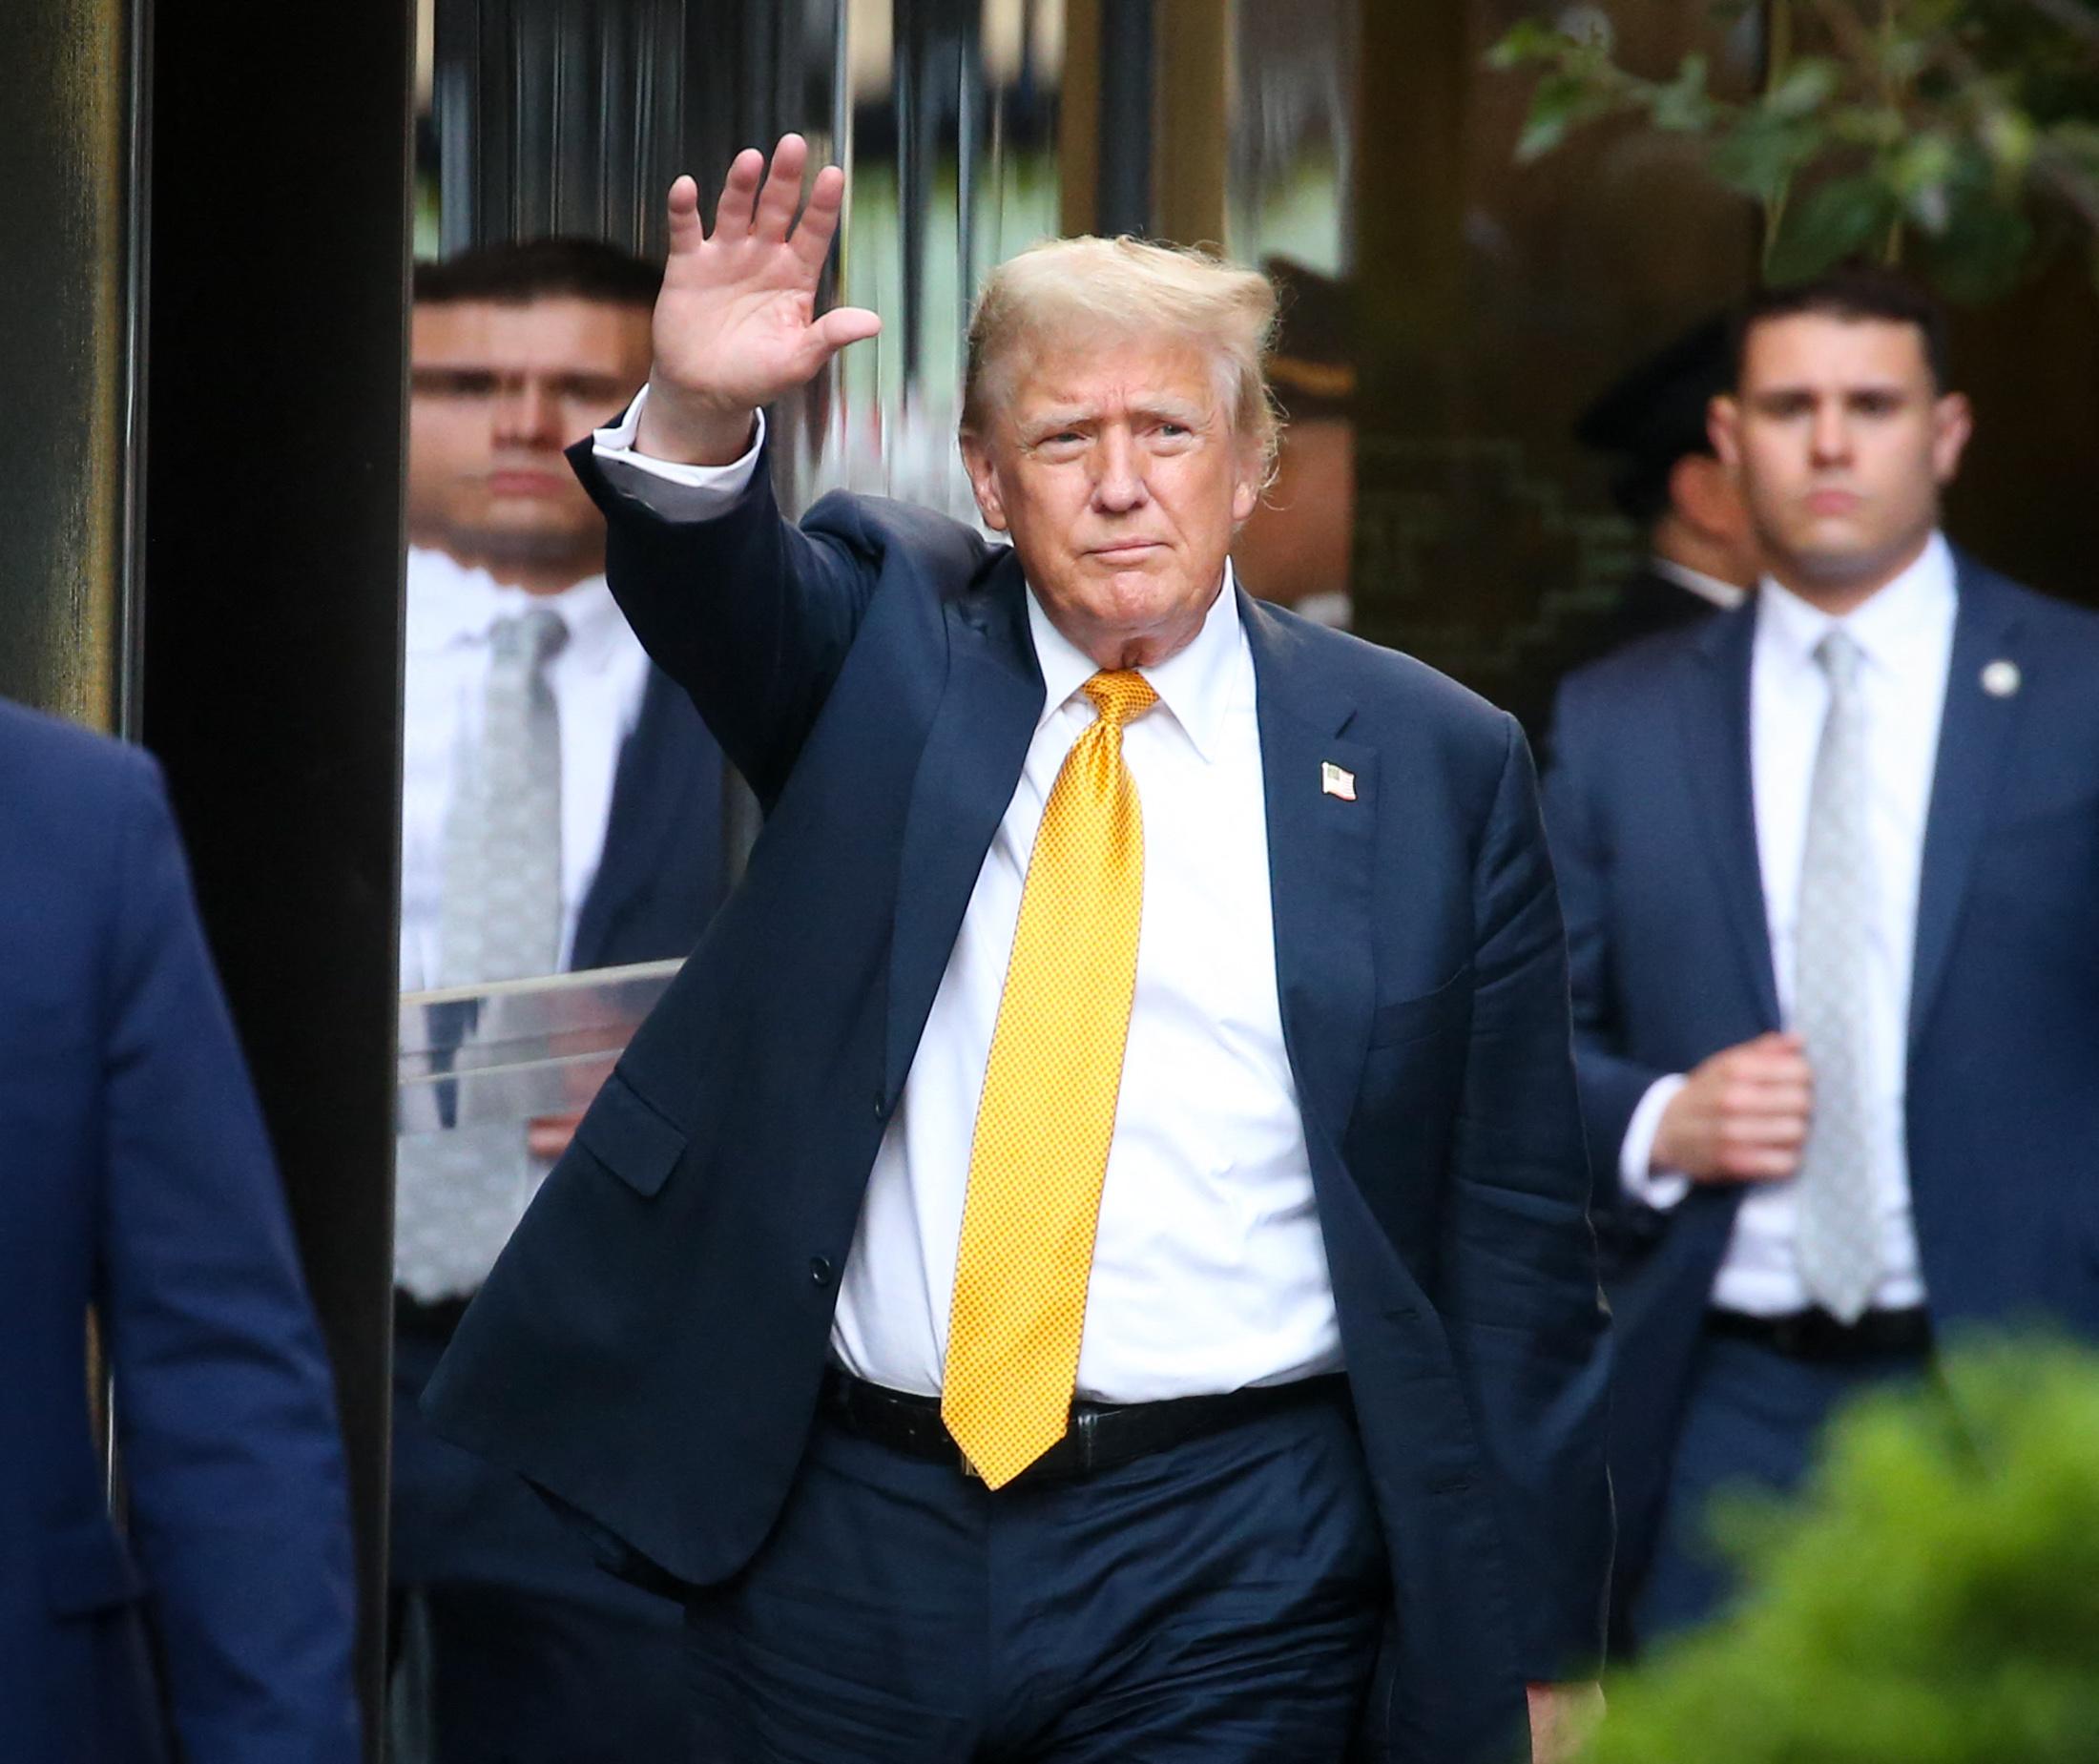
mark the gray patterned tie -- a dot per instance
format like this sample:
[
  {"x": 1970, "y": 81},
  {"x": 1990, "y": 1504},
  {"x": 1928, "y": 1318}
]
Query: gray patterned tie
[
  {"x": 1838, "y": 1244},
  {"x": 502, "y": 912},
  {"x": 459, "y": 1194}
]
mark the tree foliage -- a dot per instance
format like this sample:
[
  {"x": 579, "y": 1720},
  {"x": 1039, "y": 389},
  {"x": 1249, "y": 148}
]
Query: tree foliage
[
  {"x": 1933, "y": 1600},
  {"x": 1961, "y": 133}
]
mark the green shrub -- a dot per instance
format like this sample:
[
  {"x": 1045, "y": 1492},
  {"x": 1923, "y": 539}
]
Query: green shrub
[{"x": 1933, "y": 1598}]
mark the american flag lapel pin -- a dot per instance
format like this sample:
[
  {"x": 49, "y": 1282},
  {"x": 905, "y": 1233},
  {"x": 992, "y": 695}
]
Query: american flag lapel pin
[{"x": 1336, "y": 781}]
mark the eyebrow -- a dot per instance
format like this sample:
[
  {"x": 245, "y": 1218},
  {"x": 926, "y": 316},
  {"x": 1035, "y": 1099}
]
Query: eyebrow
[
  {"x": 1796, "y": 390},
  {"x": 1072, "y": 416},
  {"x": 453, "y": 376}
]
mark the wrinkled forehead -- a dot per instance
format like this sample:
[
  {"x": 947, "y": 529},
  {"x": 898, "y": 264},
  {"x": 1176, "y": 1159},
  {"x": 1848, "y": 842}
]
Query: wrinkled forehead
[{"x": 1096, "y": 368}]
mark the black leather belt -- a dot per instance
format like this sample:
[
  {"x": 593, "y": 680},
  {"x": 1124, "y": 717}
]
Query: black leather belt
[
  {"x": 1101, "y": 1436},
  {"x": 1816, "y": 1335}
]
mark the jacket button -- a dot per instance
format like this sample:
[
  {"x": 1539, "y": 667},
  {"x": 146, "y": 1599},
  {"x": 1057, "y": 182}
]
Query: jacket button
[
  {"x": 881, "y": 1106},
  {"x": 819, "y": 1270}
]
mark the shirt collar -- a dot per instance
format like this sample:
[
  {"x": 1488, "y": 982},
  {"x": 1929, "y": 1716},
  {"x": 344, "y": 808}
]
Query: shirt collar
[
  {"x": 1727, "y": 595},
  {"x": 1886, "y": 628},
  {"x": 451, "y": 604},
  {"x": 1194, "y": 683}
]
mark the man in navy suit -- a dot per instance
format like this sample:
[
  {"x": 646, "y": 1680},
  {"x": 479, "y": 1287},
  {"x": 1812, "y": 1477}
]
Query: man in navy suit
[
  {"x": 1829, "y": 864},
  {"x": 139, "y": 1187},
  {"x": 561, "y": 809},
  {"x": 1297, "y": 1108}
]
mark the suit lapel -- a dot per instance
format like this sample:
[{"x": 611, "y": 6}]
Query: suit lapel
[
  {"x": 1714, "y": 717},
  {"x": 974, "y": 752},
  {"x": 1972, "y": 733},
  {"x": 1319, "y": 846}
]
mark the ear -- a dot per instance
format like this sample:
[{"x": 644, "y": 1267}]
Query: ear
[
  {"x": 984, "y": 480},
  {"x": 1724, "y": 429},
  {"x": 1952, "y": 422},
  {"x": 1702, "y": 491},
  {"x": 1246, "y": 486}
]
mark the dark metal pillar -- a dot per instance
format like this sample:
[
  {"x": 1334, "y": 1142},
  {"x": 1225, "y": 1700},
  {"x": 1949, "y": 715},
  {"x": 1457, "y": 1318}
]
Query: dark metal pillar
[
  {"x": 276, "y": 272},
  {"x": 66, "y": 358}
]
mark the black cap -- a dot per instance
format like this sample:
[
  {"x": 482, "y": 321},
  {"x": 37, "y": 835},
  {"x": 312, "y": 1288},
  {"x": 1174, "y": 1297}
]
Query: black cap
[
  {"x": 1313, "y": 366},
  {"x": 1655, "y": 414}
]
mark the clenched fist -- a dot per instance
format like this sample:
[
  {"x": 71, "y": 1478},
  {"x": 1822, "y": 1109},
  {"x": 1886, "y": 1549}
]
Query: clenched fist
[{"x": 1743, "y": 1115}]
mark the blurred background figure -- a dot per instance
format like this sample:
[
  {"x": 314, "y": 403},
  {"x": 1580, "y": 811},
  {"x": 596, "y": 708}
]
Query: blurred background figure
[
  {"x": 1828, "y": 863},
  {"x": 1295, "y": 549},
  {"x": 1672, "y": 486},
  {"x": 562, "y": 808},
  {"x": 216, "y": 1622}
]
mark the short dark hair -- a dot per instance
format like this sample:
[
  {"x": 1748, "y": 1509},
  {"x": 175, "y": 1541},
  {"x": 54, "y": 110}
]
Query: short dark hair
[
  {"x": 540, "y": 269},
  {"x": 1853, "y": 291}
]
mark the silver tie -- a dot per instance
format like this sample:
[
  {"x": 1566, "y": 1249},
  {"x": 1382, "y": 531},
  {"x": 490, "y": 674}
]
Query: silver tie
[
  {"x": 1839, "y": 1243},
  {"x": 459, "y": 1194}
]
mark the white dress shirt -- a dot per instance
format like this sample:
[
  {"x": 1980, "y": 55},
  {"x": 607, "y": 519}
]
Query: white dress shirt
[
  {"x": 597, "y": 679},
  {"x": 1726, "y": 595},
  {"x": 1208, "y": 1269},
  {"x": 1905, "y": 635}
]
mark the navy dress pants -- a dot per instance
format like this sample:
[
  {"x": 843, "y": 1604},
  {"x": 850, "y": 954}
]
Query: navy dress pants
[
  {"x": 1753, "y": 1422},
  {"x": 1218, "y": 1602},
  {"x": 537, "y": 1655}
]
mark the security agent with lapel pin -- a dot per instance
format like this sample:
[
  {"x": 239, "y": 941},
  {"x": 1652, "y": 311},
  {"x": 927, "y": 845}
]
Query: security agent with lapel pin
[{"x": 1829, "y": 863}]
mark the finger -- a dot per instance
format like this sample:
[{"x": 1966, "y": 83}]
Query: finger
[
  {"x": 845, "y": 324},
  {"x": 683, "y": 210},
  {"x": 1759, "y": 1163},
  {"x": 820, "y": 220},
  {"x": 1744, "y": 1097},
  {"x": 1780, "y": 1069},
  {"x": 782, "y": 196},
  {"x": 739, "y": 194},
  {"x": 1743, "y": 1131}
]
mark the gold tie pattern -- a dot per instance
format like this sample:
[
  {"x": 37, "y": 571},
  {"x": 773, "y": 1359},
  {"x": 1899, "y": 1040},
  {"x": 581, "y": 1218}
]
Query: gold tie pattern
[{"x": 1048, "y": 1110}]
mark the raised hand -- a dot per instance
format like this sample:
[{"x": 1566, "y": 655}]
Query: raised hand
[{"x": 735, "y": 324}]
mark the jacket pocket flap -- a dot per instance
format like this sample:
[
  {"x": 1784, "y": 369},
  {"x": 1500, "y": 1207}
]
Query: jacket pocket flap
[
  {"x": 629, "y": 1138},
  {"x": 87, "y": 1568},
  {"x": 1410, "y": 1019}
]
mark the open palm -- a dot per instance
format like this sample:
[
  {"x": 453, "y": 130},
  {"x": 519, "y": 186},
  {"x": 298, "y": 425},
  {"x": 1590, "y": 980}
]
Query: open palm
[{"x": 736, "y": 323}]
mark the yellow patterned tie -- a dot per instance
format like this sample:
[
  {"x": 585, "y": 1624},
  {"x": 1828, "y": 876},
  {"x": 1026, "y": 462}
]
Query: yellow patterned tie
[{"x": 1049, "y": 1106}]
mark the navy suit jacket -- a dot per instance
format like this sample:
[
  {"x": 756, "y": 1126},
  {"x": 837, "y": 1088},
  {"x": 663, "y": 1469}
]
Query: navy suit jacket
[
  {"x": 662, "y": 873},
  {"x": 1655, "y": 839},
  {"x": 137, "y": 1179},
  {"x": 650, "y": 1346}
]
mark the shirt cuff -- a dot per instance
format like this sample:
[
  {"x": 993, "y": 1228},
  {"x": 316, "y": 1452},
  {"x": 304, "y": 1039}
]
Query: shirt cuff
[
  {"x": 1660, "y": 1189},
  {"x": 665, "y": 487}
]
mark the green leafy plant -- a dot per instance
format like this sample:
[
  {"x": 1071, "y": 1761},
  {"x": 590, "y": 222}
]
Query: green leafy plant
[
  {"x": 1933, "y": 1600},
  {"x": 1961, "y": 133}
]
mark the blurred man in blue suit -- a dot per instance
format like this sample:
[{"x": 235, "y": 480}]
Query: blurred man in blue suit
[
  {"x": 1830, "y": 865},
  {"x": 138, "y": 1184},
  {"x": 1095, "y": 1240}
]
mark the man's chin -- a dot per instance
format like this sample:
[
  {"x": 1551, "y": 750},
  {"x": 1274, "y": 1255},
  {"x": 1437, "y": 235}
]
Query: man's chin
[{"x": 527, "y": 543}]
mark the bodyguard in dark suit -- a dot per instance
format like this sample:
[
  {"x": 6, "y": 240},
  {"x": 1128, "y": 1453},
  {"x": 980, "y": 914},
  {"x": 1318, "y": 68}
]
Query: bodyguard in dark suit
[
  {"x": 563, "y": 807},
  {"x": 1829, "y": 864},
  {"x": 1094, "y": 1241},
  {"x": 137, "y": 1182}
]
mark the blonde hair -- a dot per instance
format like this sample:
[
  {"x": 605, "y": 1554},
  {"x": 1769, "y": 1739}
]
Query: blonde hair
[{"x": 1123, "y": 288}]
